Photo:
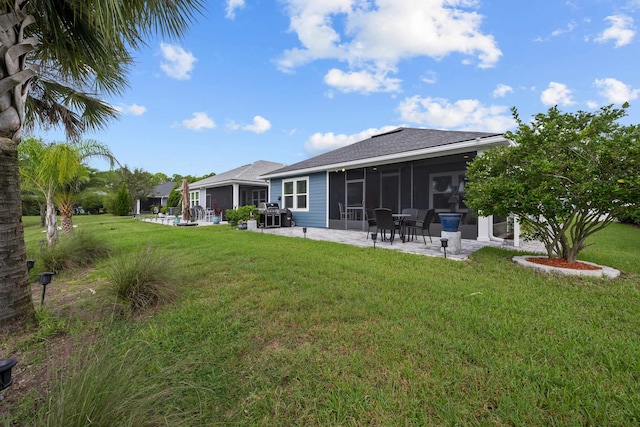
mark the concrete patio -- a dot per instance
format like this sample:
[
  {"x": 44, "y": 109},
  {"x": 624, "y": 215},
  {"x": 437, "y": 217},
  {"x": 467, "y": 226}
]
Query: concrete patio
[{"x": 417, "y": 246}]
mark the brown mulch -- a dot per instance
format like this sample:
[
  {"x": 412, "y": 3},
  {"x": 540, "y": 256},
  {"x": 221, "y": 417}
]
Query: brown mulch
[{"x": 563, "y": 263}]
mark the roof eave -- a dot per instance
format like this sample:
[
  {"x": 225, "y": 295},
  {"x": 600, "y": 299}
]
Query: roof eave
[
  {"x": 228, "y": 182},
  {"x": 448, "y": 149}
]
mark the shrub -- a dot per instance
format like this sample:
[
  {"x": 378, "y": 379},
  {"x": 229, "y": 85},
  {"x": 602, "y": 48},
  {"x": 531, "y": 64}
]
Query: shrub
[
  {"x": 123, "y": 201},
  {"x": 241, "y": 214},
  {"x": 630, "y": 216},
  {"x": 111, "y": 385},
  {"x": 142, "y": 279},
  {"x": 75, "y": 250}
]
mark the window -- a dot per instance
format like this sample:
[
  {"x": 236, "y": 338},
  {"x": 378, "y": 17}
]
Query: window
[
  {"x": 443, "y": 187},
  {"x": 194, "y": 198},
  {"x": 295, "y": 194}
]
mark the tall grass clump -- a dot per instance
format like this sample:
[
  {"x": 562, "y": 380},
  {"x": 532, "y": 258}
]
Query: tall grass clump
[
  {"x": 143, "y": 279},
  {"x": 112, "y": 384},
  {"x": 78, "y": 249}
]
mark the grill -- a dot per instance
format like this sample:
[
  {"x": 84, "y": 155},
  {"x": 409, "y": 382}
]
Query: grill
[{"x": 272, "y": 216}]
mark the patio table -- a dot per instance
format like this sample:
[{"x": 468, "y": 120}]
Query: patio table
[{"x": 400, "y": 218}]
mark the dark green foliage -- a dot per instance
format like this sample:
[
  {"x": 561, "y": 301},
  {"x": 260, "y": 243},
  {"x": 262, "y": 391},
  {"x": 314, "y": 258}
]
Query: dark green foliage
[
  {"x": 143, "y": 279},
  {"x": 241, "y": 214},
  {"x": 75, "y": 250},
  {"x": 174, "y": 197},
  {"x": 123, "y": 201},
  {"x": 90, "y": 202},
  {"x": 630, "y": 216},
  {"x": 569, "y": 176}
]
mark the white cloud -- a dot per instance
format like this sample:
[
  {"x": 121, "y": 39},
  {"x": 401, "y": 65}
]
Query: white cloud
[
  {"x": 502, "y": 90},
  {"x": 430, "y": 77},
  {"x": 376, "y": 36},
  {"x": 320, "y": 143},
  {"x": 177, "y": 63},
  {"x": 232, "y": 5},
  {"x": 260, "y": 125},
  {"x": 621, "y": 30},
  {"x": 616, "y": 92},
  {"x": 464, "y": 114},
  {"x": 569, "y": 28},
  {"x": 361, "y": 81},
  {"x": 592, "y": 105},
  {"x": 556, "y": 94},
  {"x": 199, "y": 121},
  {"x": 133, "y": 109}
]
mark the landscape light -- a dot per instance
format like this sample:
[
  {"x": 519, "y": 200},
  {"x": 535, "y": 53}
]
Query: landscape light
[
  {"x": 44, "y": 280},
  {"x": 444, "y": 242}
]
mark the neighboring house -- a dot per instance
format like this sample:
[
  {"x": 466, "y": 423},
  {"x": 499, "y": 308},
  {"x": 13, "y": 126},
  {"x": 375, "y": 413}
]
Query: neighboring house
[
  {"x": 404, "y": 168},
  {"x": 158, "y": 197},
  {"x": 238, "y": 187}
]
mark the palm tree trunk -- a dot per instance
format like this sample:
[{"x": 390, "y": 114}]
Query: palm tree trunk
[
  {"x": 52, "y": 224},
  {"x": 15, "y": 292}
]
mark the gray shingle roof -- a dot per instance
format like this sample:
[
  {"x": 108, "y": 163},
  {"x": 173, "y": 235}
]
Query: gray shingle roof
[
  {"x": 396, "y": 142},
  {"x": 243, "y": 174},
  {"x": 162, "y": 190}
]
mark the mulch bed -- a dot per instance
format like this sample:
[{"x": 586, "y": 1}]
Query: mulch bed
[{"x": 563, "y": 263}]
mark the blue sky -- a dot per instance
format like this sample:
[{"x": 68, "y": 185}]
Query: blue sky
[{"x": 287, "y": 80}]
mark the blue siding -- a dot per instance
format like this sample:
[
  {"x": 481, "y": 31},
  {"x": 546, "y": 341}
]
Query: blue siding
[
  {"x": 317, "y": 214},
  {"x": 275, "y": 191}
]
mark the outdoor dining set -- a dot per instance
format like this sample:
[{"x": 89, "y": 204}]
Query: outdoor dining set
[{"x": 406, "y": 224}]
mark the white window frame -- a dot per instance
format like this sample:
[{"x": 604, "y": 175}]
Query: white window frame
[
  {"x": 295, "y": 194},
  {"x": 194, "y": 198}
]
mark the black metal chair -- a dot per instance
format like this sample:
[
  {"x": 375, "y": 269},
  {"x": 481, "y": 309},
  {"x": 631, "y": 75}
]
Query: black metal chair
[
  {"x": 408, "y": 223},
  {"x": 371, "y": 220},
  {"x": 425, "y": 218},
  {"x": 384, "y": 222}
]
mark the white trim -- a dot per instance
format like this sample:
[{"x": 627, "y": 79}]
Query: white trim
[{"x": 294, "y": 195}]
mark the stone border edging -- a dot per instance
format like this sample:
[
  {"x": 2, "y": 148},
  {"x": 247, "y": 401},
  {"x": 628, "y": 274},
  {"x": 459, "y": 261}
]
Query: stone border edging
[{"x": 609, "y": 272}]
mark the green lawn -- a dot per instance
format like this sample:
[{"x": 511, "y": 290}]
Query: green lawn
[{"x": 280, "y": 331}]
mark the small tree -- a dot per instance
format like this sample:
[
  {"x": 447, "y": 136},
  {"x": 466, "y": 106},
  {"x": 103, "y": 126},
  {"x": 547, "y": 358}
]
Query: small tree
[
  {"x": 123, "y": 201},
  {"x": 174, "y": 197},
  {"x": 568, "y": 176}
]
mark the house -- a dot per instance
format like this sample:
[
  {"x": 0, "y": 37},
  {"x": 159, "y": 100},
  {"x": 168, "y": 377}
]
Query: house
[
  {"x": 403, "y": 168},
  {"x": 241, "y": 186},
  {"x": 158, "y": 197}
]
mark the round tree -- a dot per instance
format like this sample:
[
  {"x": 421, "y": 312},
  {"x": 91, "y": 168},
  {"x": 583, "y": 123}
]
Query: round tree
[{"x": 567, "y": 176}]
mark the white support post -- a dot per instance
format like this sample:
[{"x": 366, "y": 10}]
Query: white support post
[
  {"x": 236, "y": 195},
  {"x": 516, "y": 231},
  {"x": 484, "y": 228}
]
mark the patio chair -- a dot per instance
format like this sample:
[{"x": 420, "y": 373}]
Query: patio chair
[
  {"x": 425, "y": 218},
  {"x": 410, "y": 221},
  {"x": 371, "y": 220},
  {"x": 343, "y": 213},
  {"x": 384, "y": 222}
]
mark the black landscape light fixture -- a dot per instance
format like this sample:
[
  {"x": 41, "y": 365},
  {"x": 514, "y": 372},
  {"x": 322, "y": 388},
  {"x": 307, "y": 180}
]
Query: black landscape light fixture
[
  {"x": 44, "y": 280},
  {"x": 444, "y": 242},
  {"x": 374, "y": 237},
  {"x": 30, "y": 264},
  {"x": 5, "y": 373},
  {"x": 304, "y": 230},
  {"x": 261, "y": 227}
]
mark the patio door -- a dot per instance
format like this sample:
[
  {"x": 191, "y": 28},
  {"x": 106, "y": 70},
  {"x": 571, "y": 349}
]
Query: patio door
[
  {"x": 390, "y": 190},
  {"x": 354, "y": 204}
]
